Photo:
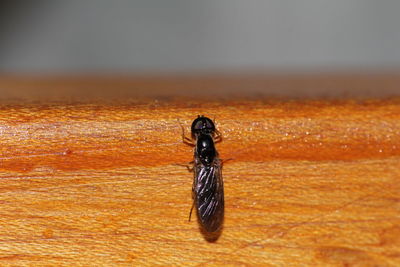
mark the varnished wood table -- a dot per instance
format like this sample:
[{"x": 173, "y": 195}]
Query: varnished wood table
[{"x": 99, "y": 183}]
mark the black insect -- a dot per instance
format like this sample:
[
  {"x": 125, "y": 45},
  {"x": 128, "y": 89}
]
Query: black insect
[{"x": 208, "y": 188}]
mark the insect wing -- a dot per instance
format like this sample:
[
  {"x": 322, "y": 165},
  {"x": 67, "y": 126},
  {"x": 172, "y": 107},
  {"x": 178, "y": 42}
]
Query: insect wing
[{"x": 209, "y": 195}]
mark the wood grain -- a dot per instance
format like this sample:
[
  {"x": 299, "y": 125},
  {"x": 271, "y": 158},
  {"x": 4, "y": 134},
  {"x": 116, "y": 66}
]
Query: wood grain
[{"x": 309, "y": 183}]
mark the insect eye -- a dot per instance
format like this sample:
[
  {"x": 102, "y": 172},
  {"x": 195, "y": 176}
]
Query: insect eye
[
  {"x": 209, "y": 124},
  {"x": 199, "y": 125}
]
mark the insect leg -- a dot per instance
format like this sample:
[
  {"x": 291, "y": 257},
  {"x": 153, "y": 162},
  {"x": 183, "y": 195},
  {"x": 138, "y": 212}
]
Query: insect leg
[
  {"x": 218, "y": 136},
  {"x": 225, "y": 160},
  {"x": 186, "y": 140},
  {"x": 188, "y": 166},
  {"x": 190, "y": 214}
]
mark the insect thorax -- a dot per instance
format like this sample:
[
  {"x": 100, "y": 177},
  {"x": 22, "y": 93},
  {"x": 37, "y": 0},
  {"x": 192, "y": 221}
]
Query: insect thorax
[{"x": 205, "y": 149}]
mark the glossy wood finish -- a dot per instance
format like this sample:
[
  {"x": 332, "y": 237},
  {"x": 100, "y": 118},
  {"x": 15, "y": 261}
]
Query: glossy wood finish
[{"x": 308, "y": 183}]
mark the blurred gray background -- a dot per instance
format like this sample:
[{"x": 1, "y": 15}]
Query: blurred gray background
[{"x": 207, "y": 35}]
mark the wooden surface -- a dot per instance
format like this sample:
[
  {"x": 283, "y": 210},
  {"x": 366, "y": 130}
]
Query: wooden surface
[{"x": 309, "y": 183}]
